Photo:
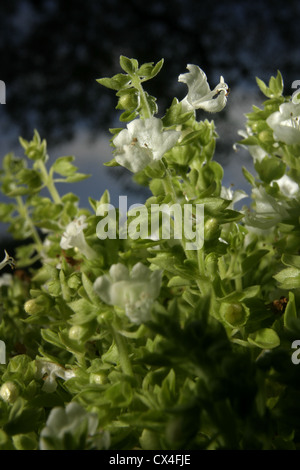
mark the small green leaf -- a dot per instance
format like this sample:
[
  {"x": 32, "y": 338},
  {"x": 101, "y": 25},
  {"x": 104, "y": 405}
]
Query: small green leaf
[
  {"x": 276, "y": 85},
  {"x": 290, "y": 314},
  {"x": 263, "y": 87},
  {"x": 190, "y": 137},
  {"x": 76, "y": 177},
  {"x": 117, "y": 82},
  {"x": 130, "y": 66},
  {"x": 291, "y": 260},
  {"x": 63, "y": 166}
]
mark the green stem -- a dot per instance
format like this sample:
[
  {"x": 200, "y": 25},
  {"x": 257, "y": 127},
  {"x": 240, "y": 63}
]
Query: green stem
[
  {"x": 168, "y": 185},
  {"x": 48, "y": 181},
  {"x": 203, "y": 286},
  {"x": 24, "y": 213},
  {"x": 123, "y": 352},
  {"x": 145, "y": 109}
]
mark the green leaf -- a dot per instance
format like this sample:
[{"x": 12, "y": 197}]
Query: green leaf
[
  {"x": 288, "y": 278},
  {"x": 251, "y": 261},
  {"x": 265, "y": 338},
  {"x": 117, "y": 82},
  {"x": 290, "y": 314},
  {"x": 249, "y": 177},
  {"x": 263, "y": 87},
  {"x": 157, "y": 68},
  {"x": 276, "y": 85},
  {"x": 291, "y": 260},
  {"x": 84, "y": 311},
  {"x": 30, "y": 177},
  {"x": 174, "y": 115},
  {"x": 23, "y": 418},
  {"x": 128, "y": 116},
  {"x": 130, "y": 66},
  {"x": 63, "y": 166},
  {"x": 111, "y": 163},
  {"x": 52, "y": 338},
  {"x": 77, "y": 177},
  {"x": 148, "y": 70},
  {"x": 191, "y": 137}
]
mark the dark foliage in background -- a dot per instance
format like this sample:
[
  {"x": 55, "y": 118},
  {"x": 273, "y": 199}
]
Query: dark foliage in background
[{"x": 52, "y": 52}]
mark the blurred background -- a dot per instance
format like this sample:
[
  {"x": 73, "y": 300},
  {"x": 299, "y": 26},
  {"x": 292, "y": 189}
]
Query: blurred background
[{"x": 52, "y": 52}]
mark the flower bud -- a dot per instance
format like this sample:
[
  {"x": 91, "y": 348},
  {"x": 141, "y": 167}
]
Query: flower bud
[
  {"x": 234, "y": 314},
  {"x": 211, "y": 264},
  {"x": 98, "y": 378},
  {"x": 32, "y": 307},
  {"x": 211, "y": 229},
  {"x": 266, "y": 137},
  {"x": 9, "y": 392},
  {"x": 76, "y": 332},
  {"x": 128, "y": 101}
]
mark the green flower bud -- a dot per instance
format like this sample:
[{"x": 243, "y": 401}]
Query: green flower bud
[
  {"x": 128, "y": 101},
  {"x": 82, "y": 332},
  {"x": 266, "y": 137},
  {"x": 32, "y": 307},
  {"x": 211, "y": 229},
  {"x": 234, "y": 314},
  {"x": 74, "y": 282},
  {"x": 98, "y": 378},
  {"x": 9, "y": 392},
  {"x": 77, "y": 332}
]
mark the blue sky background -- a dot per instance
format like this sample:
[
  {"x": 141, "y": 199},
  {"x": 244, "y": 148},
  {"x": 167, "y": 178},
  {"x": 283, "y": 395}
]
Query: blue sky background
[{"x": 52, "y": 53}]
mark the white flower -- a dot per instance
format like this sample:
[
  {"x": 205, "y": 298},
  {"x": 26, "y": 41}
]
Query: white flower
[
  {"x": 287, "y": 186},
  {"x": 268, "y": 210},
  {"x": 9, "y": 392},
  {"x": 49, "y": 371},
  {"x": 143, "y": 143},
  {"x": 73, "y": 237},
  {"x": 6, "y": 280},
  {"x": 285, "y": 123},
  {"x": 234, "y": 196},
  {"x": 134, "y": 292},
  {"x": 72, "y": 422},
  {"x": 200, "y": 96},
  {"x": 7, "y": 260}
]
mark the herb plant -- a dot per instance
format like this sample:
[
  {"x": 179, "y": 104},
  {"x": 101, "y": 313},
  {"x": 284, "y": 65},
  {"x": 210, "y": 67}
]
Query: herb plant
[{"x": 148, "y": 341}]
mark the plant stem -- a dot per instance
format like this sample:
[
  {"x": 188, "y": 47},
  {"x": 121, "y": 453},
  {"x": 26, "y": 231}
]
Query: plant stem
[
  {"x": 145, "y": 109},
  {"x": 168, "y": 185},
  {"x": 24, "y": 213},
  {"x": 48, "y": 181}
]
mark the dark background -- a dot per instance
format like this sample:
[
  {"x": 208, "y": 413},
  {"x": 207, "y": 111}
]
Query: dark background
[{"x": 52, "y": 52}]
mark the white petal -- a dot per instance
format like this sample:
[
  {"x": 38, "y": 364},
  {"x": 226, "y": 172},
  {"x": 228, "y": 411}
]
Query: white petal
[{"x": 119, "y": 272}]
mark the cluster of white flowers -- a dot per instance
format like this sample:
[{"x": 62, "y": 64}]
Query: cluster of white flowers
[{"x": 144, "y": 141}]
